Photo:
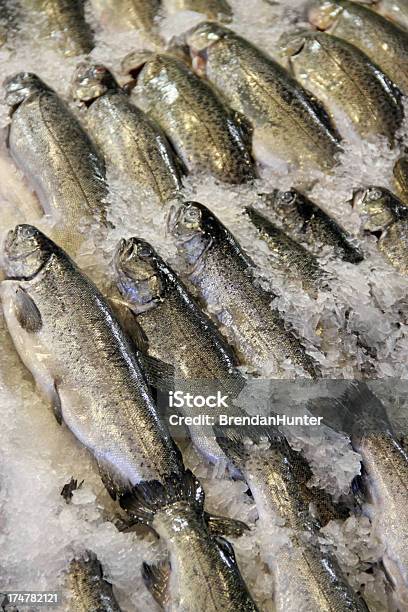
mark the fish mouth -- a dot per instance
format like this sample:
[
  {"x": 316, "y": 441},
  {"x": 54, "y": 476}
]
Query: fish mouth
[
  {"x": 124, "y": 252},
  {"x": 324, "y": 17}
]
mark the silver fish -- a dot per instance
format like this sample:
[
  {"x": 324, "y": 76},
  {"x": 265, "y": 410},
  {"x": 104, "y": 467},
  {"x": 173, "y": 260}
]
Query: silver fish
[
  {"x": 384, "y": 477},
  {"x": 286, "y": 120},
  {"x": 63, "y": 23},
  {"x": 205, "y": 133},
  {"x": 88, "y": 589},
  {"x": 385, "y": 216},
  {"x": 177, "y": 331},
  {"x": 341, "y": 75},
  {"x": 383, "y": 41},
  {"x": 287, "y": 254},
  {"x": 127, "y": 138},
  {"x": 224, "y": 278},
  {"x": 57, "y": 157},
  {"x": 307, "y": 222}
]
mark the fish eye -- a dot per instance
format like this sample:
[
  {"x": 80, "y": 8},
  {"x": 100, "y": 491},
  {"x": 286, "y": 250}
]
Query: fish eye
[
  {"x": 287, "y": 197},
  {"x": 144, "y": 250},
  {"x": 374, "y": 194},
  {"x": 192, "y": 215}
]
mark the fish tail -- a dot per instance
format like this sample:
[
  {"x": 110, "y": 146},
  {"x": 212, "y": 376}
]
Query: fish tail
[{"x": 145, "y": 499}]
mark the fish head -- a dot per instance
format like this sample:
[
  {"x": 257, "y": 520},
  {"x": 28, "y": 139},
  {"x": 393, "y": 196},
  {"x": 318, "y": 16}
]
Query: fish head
[
  {"x": 26, "y": 251},
  {"x": 293, "y": 44},
  {"x": 190, "y": 225},
  {"x": 324, "y": 14},
  {"x": 200, "y": 39},
  {"x": 374, "y": 206},
  {"x": 139, "y": 273},
  {"x": 91, "y": 81},
  {"x": 20, "y": 86},
  {"x": 282, "y": 201},
  {"x": 135, "y": 63}
]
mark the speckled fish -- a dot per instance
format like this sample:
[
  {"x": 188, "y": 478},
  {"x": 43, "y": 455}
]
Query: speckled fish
[
  {"x": 177, "y": 331},
  {"x": 396, "y": 10},
  {"x": 342, "y": 76},
  {"x": 82, "y": 361},
  {"x": 205, "y": 133},
  {"x": 384, "y": 42},
  {"x": 85, "y": 364},
  {"x": 57, "y": 158},
  {"x": 401, "y": 177},
  {"x": 385, "y": 216},
  {"x": 384, "y": 477},
  {"x": 140, "y": 15},
  {"x": 287, "y": 121},
  {"x": 204, "y": 572},
  {"x": 225, "y": 280},
  {"x": 128, "y": 139},
  {"x": 219, "y": 10},
  {"x": 304, "y": 577},
  {"x": 88, "y": 589},
  {"x": 307, "y": 222},
  {"x": 63, "y": 23},
  {"x": 289, "y": 256}
]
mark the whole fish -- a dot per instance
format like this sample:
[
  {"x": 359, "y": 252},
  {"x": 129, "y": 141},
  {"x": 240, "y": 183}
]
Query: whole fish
[
  {"x": 396, "y": 10},
  {"x": 205, "y": 133},
  {"x": 63, "y": 23},
  {"x": 304, "y": 577},
  {"x": 57, "y": 157},
  {"x": 127, "y": 138},
  {"x": 89, "y": 591},
  {"x": 401, "y": 177},
  {"x": 384, "y": 476},
  {"x": 385, "y": 216},
  {"x": 308, "y": 223},
  {"x": 384, "y": 42},
  {"x": 213, "y": 9},
  {"x": 289, "y": 256},
  {"x": 85, "y": 364},
  {"x": 140, "y": 15},
  {"x": 341, "y": 75},
  {"x": 225, "y": 280},
  {"x": 177, "y": 331},
  {"x": 286, "y": 120}
]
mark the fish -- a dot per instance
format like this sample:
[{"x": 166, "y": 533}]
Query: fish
[
  {"x": 86, "y": 366},
  {"x": 125, "y": 136},
  {"x": 384, "y": 42},
  {"x": 342, "y": 76},
  {"x": 384, "y": 480},
  {"x": 87, "y": 587},
  {"x": 139, "y": 15},
  {"x": 395, "y": 10},
  {"x": 207, "y": 135},
  {"x": 58, "y": 159},
  {"x": 304, "y": 577},
  {"x": 286, "y": 120},
  {"x": 385, "y": 216},
  {"x": 218, "y": 10},
  {"x": 178, "y": 332},
  {"x": 63, "y": 23},
  {"x": 225, "y": 280},
  {"x": 400, "y": 172},
  {"x": 204, "y": 572},
  {"x": 289, "y": 256},
  {"x": 307, "y": 222}
]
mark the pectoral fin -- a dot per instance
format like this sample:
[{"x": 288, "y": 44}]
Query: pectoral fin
[
  {"x": 26, "y": 311},
  {"x": 156, "y": 578},
  {"x": 225, "y": 526}
]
